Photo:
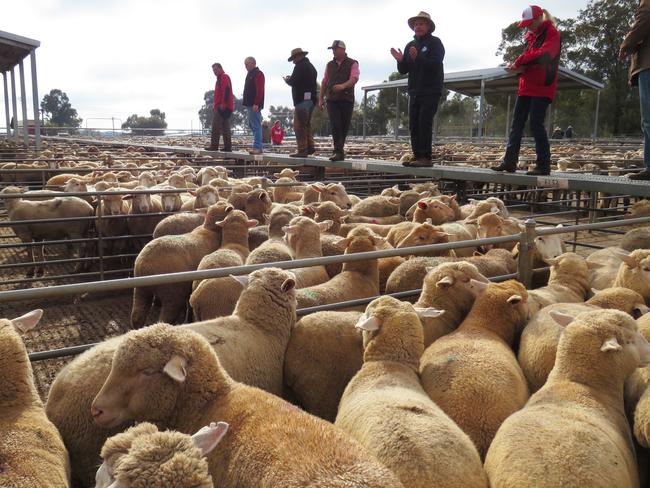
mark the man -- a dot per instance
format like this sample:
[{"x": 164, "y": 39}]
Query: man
[
  {"x": 224, "y": 104},
  {"x": 637, "y": 45},
  {"x": 341, "y": 74},
  {"x": 303, "y": 91},
  {"x": 422, "y": 60},
  {"x": 253, "y": 100}
]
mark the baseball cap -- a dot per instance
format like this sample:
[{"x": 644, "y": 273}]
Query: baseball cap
[
  {"x": 529, "y": 14},
  {"x": 336, "y": 44}
]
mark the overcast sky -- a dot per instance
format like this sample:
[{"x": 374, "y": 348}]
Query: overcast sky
[{"x": 118, "y": 57}]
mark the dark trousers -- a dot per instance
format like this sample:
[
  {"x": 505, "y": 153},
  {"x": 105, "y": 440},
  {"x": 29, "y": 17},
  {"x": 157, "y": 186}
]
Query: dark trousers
[
  {"x": 422, "y": 109},
  {"x": 302, "y": 125},
  {"x": 340, "y": 114},
  {"x": 536, "y": 108},
  {"x": 221, "y": 127}
]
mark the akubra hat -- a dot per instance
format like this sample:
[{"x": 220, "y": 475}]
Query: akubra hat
[
  {"x": 295, "y": 52},
  {"x": 423, "y": 16}
]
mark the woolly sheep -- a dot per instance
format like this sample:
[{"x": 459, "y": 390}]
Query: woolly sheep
[
  {"x": 376, "y": 206},
  {"x": 639, "y": 209},
  {"x": 385, "y": 408},
  {"x": 179, "y": 369},
  {"x": 112, "y": 205},
  {"x": 143, "y": 457},
  {"x": 573, "y": 432},
  {"x": 171, "y": 254},
  {"x": 286, "y": 194},
  {"x": 472, "y": 373},
  {"x": 410, "y": 275},
  {"x": 258, "y": 205},
  {"x": 275, "y": 249},
  {"x": 32, "y": 453},
  {"x": 434, "y": 210},
  {"x": 636, "y": 239},
  {"x": 541, "y": 335},
  {"x": 333, "y": 192},
  {"x": 303, "y": 237},
  {"x": 604, "y": 265},
  {"x": 179, "y": 223},
  {"x": 330, "y": 211},
  {"x": 491, "y": 225},
  {"x": 634, "y": 272},
  {"x": 287, "y": 173},
  {"x": 202, "y": 197}
]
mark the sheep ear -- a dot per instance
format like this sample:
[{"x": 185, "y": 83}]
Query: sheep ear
[
  {"x": 229, "y": 209},
  {"x": 494, "y": 210},
  {"x": 422, "y": 205},
  {"x": 288, "y": 229},
  {"x": 396, "y": 187},
  {"x": 627, "y": 258},
  {"x": 241, "y": 279},
  {"x": 611, "y": 344},
  {"x": 27, "y": 322},
  {"x": 277, "y": 175},
  {"x": 514, "y": 299},
  {"x": 428, "y": 312},
  {"x": 344, "y": 241},
  {"x": 193, "y": 193},
  {"x": 378, "y": 240},
  {"x": 561, "y": 319},
  {"x": 428, "y": 269},
  {"x": 592, "y": 265},
  {"x": 317, "y": 188},
  {"x": 306, "y": 210},
  {"x": 641, "y": 309},
  {"x": 325, "y": 225},
  {"x": 551, "y": 261},
  {"x": 288, "y": 284},
  {"x": 425, "y": 194},
  {"x": 471, "y": 221},
  {"x": 252, "y": 223},
  {"x": 207, "y": 438},
  {"x": 594, "y": 291},
  {"x": 201, "y": 211},
  {"x": 175, "y": 368},
  {"x": 445, "y": 282},
  {"x": 394, "y": 200},
  {"x": 477, "y": 285},
  {"x": 220, "y": 223},
  {"x": 368, "y": 323}
]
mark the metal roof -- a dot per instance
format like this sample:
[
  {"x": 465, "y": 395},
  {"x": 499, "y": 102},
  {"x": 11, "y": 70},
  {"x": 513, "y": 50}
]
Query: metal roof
[
  {"x": 14, "y": 48},
  {"x": 497, "y": 80}
]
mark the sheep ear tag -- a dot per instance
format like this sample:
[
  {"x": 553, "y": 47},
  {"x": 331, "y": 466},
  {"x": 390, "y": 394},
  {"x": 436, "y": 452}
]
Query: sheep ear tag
[
  {"x": 27, "y": 322},
  {"x": 207, "y": 438},
  {"x": 610, "y": 345},
  {"x": 175, "y": 368},
  {"x": 428, "y": 312},
  {"x": 365, "y": 322}
]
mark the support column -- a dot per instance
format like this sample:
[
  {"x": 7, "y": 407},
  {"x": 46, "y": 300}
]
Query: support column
[
  {"x": 23, "y": 102},
  {"x": 481, "y": 111},
  {"x": 508, "y": 118},
  {"x": 14, "y": 109},
  {"x": 365, "y": 107},
  {"x": 396, "y": 111},
  {"x": 595, "y": 136},
  {"x": 37, "y": 118},
  {"x": 6, "y": 91}
]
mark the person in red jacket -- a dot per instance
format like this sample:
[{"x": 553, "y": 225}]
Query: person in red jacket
[
  {"x": 538, "y": 68},
  {"x": 224, "y": 104},
  {"x": 277, "y": 133}
]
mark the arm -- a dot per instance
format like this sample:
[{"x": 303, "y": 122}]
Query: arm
[
  {"x": 291, "y": 79},
  {"x": 403, "y": 66},
  {"x": 354, "y": 77},
  {"x": 550, "y": 48},
  {"x": 640, "y": 29},
  {"x": 323, "y": 87},
  {"x": 259, "y": 89},
  {"x": 433, "y": 58}
]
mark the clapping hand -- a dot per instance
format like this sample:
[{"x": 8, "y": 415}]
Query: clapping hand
[
  {"x": 413, "y": 52},
  {"x": 397, "y": 54}
]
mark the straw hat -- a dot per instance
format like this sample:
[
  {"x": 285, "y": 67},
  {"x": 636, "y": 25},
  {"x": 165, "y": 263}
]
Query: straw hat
[
  {"x": 295, "y": 52},
  {"x": 423, "y": 16}
]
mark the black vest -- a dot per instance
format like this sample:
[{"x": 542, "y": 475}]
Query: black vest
[
  {"x": 335, "y": 76},
  {"x": 250, "y": 89}
]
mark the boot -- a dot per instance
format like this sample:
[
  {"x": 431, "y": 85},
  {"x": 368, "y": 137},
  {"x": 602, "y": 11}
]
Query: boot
[
  {"x": 421, "y": 162},
  {"x": 299, "y": 154},
  {"x": 539, "y": 172},
  {"x": 642, "y": 175},
  {"x": 510, "y": 168},
  {"x": 337, "y": 156}
]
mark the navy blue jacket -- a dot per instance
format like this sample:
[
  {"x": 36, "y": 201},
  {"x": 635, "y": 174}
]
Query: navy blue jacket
[{"x": 426, "y": 72}]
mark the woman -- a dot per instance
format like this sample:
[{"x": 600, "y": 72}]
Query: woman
[
  {"x": 538, "y": 66},
  {"x": 277, "y": 133}
]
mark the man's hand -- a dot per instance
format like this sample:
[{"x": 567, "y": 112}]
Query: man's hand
[
  {"x": 510, "y": 67},
  {"x": 338, "y": 88},
  {"x": 321, "y": 104},
  {"x": 413, "y": 52},
  {"x": 397, "y": 54},
  {"x": 256, "y": 108},
  {"x": 623, "y": 54}
]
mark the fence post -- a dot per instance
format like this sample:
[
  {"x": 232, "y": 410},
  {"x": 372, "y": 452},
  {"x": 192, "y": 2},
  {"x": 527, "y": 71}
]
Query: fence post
[
  {"x": 100, "y": 241},
  {"x": 526, "y": 252}
]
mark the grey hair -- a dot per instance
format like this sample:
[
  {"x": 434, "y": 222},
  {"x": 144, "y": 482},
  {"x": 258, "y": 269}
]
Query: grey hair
[{"x": 251, "y": 60}]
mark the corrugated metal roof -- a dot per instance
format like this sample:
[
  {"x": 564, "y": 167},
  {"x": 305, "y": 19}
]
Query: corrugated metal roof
[
  {"x": 497, "y": 80},
  {"x": 14, "y": 48}
]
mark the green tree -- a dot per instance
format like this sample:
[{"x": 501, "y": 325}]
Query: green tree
[
  {"x": 283, "y": 114},
  {"x": 205, "y": 112},
  {"x": 457, "y": 115},
  {"x": 153, "y": 125},
  {"x": 384, "y": 114},
  {"x": 58, "y": 110}
]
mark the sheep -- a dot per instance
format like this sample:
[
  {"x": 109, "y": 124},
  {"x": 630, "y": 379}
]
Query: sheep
[
  {"x": 636, "y": 239},
  {"x": 604, "y": 265},
  {"x": 144, "y": 457},
  {"x": 32, "y": 451},
  {"x": 287, "y": 173},
  {"x": 216, "y": 297},
  {"x": 568, "y": 282},
  {"x": 258, "y": 205},
  {"x": 303, "y": 237},
  {"x": 541, "y": 335},
  {"x": 425, "y": 234},
  {"x": 143, "y": 203},
  {"x": 476, "y": 208},
  {"x": 472, "y": 373},
  {"x": 286, "y": 194},
  {"x": 491, "y": 225},
  {"x": 179, "y": 223},
  {"x": 433, "y": 210},
  {"x": 312, "y": 194},
  {"x": 392, "y": 191},
  {"x": 358, "y": 279},
  {"x": 170, "y": 254},
  {"x": 275, "y": 249},
  {"x": 202, "y": 197},
  {"x": 332, "y": 192},
  {"x": 112, "y": 205},
  {"x": 639, "y": 209},
  {"x": 56, "y": 208},
  {"x": 191, "y": 388},
  {"x": 375, "y": 206},
  {"x": 330, "y": 211},
  {"x": 461, "y": 232},
  {"x": 573, "y": 432},
  {"x": 410, "y": 275},
  {"x": 409, "y": 198},
  {"x": 546, "y": 247},
  {"x": 634, "y": 272},
  {"x": 385, "y": 408}
]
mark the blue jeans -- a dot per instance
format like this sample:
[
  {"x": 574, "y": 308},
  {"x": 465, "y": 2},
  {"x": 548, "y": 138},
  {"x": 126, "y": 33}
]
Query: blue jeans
[
  {"x": 536, "y": 108},
  {"x": 644, "y": 96},
  {"x": 255, "y": 123}
]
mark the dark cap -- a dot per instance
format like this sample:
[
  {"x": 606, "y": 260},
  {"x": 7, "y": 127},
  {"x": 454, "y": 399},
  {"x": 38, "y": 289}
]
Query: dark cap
[{"x": 336, "y": 44}]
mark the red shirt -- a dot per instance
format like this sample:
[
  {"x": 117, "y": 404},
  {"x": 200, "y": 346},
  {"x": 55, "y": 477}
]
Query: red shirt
[
  {"x": 540, "y": 61},
  {"x": 277, "y": 134},
  {"x": 223, "y": 93}
]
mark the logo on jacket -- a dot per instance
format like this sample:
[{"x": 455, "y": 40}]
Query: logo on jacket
[{"x": 424, "y": 49}]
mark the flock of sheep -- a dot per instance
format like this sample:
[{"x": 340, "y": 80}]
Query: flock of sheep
[{"x": 475, "y": 384}]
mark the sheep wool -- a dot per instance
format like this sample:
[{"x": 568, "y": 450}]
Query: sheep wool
[
  {"x": 472, "y": 373},
  {"x": 573, "y": 431},
  {"x": 386, "y": 409}
]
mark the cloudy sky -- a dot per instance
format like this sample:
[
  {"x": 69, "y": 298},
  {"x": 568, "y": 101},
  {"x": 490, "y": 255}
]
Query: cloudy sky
[{"x": 118, "y": 57}]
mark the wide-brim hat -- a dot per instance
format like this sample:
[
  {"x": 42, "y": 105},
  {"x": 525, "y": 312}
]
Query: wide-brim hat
[
  {"x": 423, "y": 16},
  {"x": 296, "y": 52},
  {"x": 529, "y": 14}
]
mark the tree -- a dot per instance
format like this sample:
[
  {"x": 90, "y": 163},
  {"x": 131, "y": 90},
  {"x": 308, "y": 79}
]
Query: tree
[
  {"x": 58, "y": 110},
  {"x": 283, "y": 114},
  {"x": 205, "y": 112},
  {"x": 154, "y": 123}
]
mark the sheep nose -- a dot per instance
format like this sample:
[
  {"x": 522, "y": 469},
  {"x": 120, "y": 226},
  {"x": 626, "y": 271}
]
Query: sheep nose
[{"x": 95, "y": 412}]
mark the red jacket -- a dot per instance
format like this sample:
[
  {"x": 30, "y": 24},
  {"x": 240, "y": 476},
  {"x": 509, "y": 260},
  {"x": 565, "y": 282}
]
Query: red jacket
[
  {"x": 277, "y": 134},
  {"x": 223, "y": 93},
  {"x": 540, "y": 61}
]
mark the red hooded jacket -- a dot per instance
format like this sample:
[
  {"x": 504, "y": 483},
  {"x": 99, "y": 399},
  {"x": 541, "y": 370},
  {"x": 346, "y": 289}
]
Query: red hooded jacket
[
  {"x": 540, "y": 61},
  {"x": 223, "y": 93}
]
